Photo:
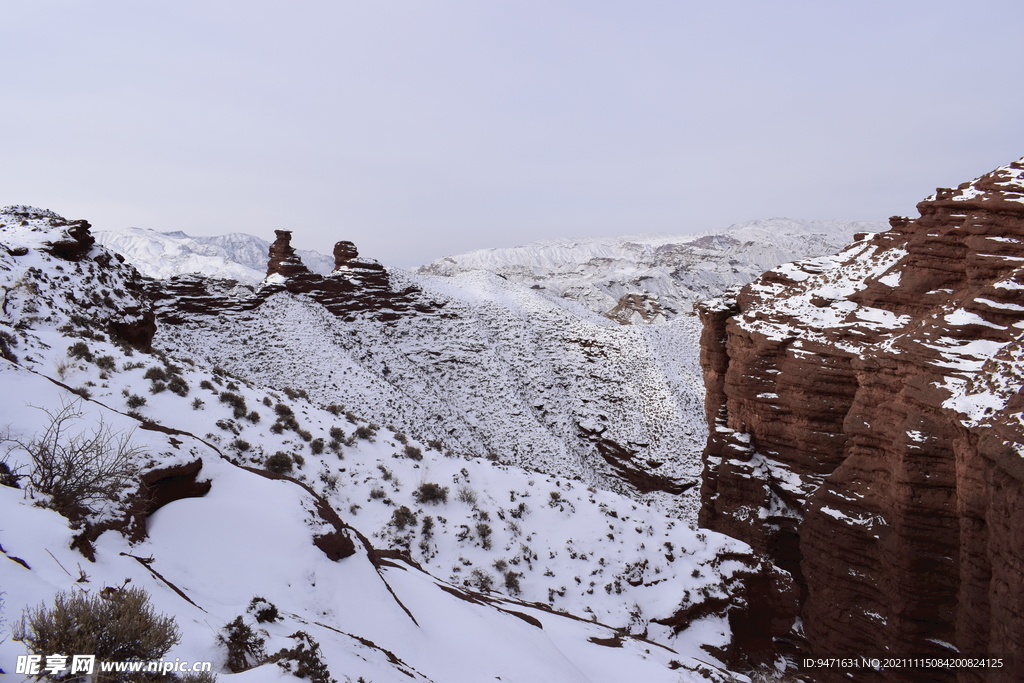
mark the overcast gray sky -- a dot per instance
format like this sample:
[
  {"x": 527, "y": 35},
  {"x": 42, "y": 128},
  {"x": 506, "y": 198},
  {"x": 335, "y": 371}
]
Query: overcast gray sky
[{"x": 424, "y": 128}]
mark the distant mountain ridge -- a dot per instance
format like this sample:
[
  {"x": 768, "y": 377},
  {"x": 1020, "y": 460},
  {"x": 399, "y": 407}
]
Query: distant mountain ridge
[
  {"x": 234, "y": 256},
  {"x": 645, "y": 277},
  {"x": 653, "y": 277}
]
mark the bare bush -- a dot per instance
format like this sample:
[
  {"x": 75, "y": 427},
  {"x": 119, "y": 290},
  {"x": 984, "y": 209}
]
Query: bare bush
[
  {"x": 365, "y": 432},
  {"x": 78, "y": 469},
  {"x": 279, "y": 462},
  {"x": 466, "y": 495},
  {"x": 80, "y": 350},
  {"x": 402, "y": 518},
  {"x": 512, "y": 582},
  {"x": 481, "y": 579}
]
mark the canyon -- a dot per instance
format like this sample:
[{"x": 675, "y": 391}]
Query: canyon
[{"x": 864, "y": 439}]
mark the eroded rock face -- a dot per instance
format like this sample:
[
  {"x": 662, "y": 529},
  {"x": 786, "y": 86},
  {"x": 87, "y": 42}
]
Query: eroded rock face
[
  {"x": 344, "y": 252},
  {"x": 627, "y": 466},
  {"x": 867, "y": 433}
]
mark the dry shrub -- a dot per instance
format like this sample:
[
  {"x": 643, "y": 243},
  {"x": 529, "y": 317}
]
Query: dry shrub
[
  {"x": 264, "y": 610},
  {"x": 117, "y": 625},
  {"x": 245, "y": 648},
  {"x": 306, "y": 659},
  {"x": 403, "y": 517},
  {"x": 279, "y": 462},
  {"x": 431, "y": 493}
]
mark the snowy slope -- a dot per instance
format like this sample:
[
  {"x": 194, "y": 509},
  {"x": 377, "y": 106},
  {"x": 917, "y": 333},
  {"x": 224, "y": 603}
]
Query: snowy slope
[
  {"x": 653, "y": 277},
  {"x": 506, "y": 370},
  {"x": 251, "y": 536},
  {"x": 235, "y": 256},
  {"x": 507, "y": 549}
]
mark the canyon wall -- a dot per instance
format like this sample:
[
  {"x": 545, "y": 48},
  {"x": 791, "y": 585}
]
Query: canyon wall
[{"x": 866, "y": 433}]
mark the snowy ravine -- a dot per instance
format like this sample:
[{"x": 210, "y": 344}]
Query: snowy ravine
[{"x": 496, "y": 572}]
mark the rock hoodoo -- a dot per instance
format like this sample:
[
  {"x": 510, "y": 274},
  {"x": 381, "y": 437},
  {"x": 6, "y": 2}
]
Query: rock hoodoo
[
  {"x": 344, "y": 252},
  {"x": 283, "y": 260},
  {"x": 866, "y": 432},
  {"x": 357, "y": 286}
]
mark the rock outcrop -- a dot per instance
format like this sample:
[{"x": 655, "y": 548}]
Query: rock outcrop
[
  {"x": 282, "y": 259},
  {"x": 357, "y": 286},
  {"x": 866, "y": 432},
  {"x": 106, "y": 296}
]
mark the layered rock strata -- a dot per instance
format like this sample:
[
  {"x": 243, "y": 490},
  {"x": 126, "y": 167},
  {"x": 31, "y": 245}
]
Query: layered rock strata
[
  {"x": 866, "y": 432},
  {"x": 357, "y": 286},
  {"x": 282, "y": 259}
]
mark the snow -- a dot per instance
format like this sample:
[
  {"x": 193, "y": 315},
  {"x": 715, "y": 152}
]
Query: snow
[
  {"x": 252, "y": 536},
  {"x": 917, "y": 436},
  {"x": 964, "y": 317},
  {"x": 864, "y": 519},
  {"x": 275, "y": 279},
  {"x": 892, "y": 279},
  {"x": 1004, "y": 257},
  {"x": 1009, "y": 179},
  {"x": 1001, "y": 305},
  {"x": 881, "y": 316}
]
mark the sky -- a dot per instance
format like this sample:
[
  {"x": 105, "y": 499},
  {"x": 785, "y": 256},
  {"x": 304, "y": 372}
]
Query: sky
[{"x": 419, "y": 129}]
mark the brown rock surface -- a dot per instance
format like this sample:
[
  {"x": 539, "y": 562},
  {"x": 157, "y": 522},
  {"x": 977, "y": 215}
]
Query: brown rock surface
[
  {"x": 867, "y": 433},
  {"x": 282, "y": 259},
  {"x": 344, "y": 252}
]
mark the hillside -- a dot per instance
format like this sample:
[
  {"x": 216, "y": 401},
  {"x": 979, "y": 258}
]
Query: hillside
[
  {"x": 495, "y": 365},
  {"x": 402, "y": 557}
]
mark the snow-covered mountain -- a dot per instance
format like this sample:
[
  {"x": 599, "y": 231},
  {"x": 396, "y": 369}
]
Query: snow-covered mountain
[
  {"x": 512, "y": 367},
  {"x": 403, "y": 557},
  {"x": 654, "y": 277},
  {"x": 235, "y": 256}
]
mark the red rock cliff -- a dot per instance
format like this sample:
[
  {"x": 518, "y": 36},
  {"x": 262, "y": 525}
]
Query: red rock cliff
[{"x": 866, "y": 432}]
